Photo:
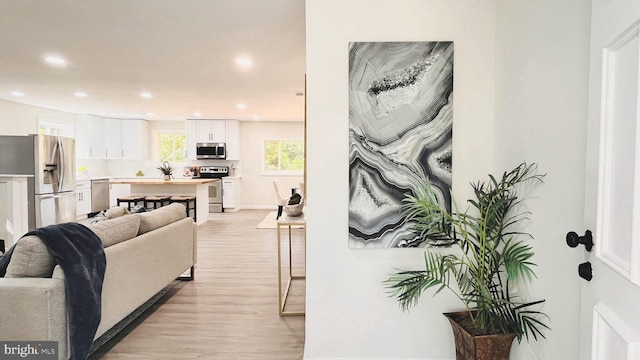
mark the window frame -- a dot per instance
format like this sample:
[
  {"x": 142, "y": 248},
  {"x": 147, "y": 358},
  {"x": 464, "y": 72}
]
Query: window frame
[{"x": 265, "y": 172}]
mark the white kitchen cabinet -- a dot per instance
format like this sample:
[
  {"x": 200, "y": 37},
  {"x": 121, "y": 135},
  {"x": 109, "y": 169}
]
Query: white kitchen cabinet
[
  {"x": 211, "y": 131},
  {"x": 89, "y": 137},
  {"x": 135, "y": 139},
  {"x": 229, "y": 196},
  {"x": 191, "y": 134},
  {"x": 112, "y": 138},
  {"x": 232, "y": 140},
  {"x": 108, "y": 138},
  {"x": 116, "y": 191},
  {"x": 83, "y": 198}
]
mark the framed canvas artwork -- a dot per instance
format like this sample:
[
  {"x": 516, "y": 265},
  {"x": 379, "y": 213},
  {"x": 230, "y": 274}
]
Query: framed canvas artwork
[{"x": 400, "y": 134}]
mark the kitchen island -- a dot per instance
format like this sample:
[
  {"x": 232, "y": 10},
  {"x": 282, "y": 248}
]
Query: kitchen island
[{"x": 182, "y": 186}]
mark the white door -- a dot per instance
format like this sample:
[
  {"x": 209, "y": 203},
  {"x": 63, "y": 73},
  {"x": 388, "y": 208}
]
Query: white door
[{"x": 610, "y": 309}]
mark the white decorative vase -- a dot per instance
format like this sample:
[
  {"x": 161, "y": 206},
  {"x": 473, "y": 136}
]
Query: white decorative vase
[{"x": 294, "y": 210}]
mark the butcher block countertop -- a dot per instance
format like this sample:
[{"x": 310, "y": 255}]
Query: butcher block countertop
[{"x": 151, "y": 181}]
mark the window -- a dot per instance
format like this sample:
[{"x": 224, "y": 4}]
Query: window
[
  {"x": 52, "y": 127},
  {"x": 283, "y": 157},
  {"x": 171, "y": 147}
]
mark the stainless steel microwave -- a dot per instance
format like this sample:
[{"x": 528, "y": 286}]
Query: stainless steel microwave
[{"x": 211, "y": 151}]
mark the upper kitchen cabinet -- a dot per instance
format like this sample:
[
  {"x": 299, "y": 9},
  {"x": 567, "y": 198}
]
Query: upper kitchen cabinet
[
  {"x": 106, "y": 138},
  {"x": 135, "y": 139},
  {"x": 89, "y": 137},
  {"x": 112, "y": 138},
  {"x": 211, "y": 131},
  {"x": 232, "y": 140},
  {"x": 225, "y": 131}
]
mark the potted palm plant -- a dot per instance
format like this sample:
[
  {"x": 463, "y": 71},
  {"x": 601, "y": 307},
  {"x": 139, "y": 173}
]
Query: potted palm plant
[{"x": 493, "y": 259}]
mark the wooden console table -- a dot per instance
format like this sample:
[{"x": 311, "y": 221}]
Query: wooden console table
[{"x": 288, "y": 222}]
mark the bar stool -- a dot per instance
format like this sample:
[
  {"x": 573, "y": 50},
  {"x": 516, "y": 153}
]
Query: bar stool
[
  {"x": 156, "y": 201},
  {"x": 133, "y": 199},
  {"x": 187, "y": 201}
]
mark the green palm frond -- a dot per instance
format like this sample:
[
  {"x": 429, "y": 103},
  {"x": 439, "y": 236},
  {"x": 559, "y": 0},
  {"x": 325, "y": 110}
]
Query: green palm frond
[
  {"x": 516, "y": 255},
  {"x": 493, "y": 259},
  {"x": 407, "y": 286}
]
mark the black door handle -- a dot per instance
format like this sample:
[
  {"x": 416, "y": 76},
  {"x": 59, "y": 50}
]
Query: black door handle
[
  {"x": 574, "y": 240},
  {"x": 585, "y": 271}
]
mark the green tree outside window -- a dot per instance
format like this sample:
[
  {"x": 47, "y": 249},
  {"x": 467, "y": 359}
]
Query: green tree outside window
[
  {"x": 172, "y": 148},
  {"x": 283, "y": 156}
]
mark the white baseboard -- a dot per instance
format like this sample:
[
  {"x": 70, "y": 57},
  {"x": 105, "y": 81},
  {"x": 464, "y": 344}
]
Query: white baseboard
[{"x": 257, "y": 207}]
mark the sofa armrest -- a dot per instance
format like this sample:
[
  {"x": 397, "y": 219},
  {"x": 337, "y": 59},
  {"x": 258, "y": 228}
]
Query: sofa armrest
[
  {"x": 33, "y": 309},
  {"x": 195, "y": 243}
]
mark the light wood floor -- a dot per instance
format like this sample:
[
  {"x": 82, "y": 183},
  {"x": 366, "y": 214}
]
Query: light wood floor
[{"x": 230, "y": 310}]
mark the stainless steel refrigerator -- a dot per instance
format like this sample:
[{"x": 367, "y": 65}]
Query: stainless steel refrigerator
[{"x": 51, "y": 160}]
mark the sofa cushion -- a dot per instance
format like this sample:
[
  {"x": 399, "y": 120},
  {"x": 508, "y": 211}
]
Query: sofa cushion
[
  {"x": 115, "y": 211},
  {"x": 116, "y": 230},
  {"x": 157, "y": 218},
  {"x": 30, "y": 259}
]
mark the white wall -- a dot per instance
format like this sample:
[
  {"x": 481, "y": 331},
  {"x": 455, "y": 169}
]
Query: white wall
[
  {"x": 542, "y": 52},
  {"x": 19, "y": 119},
  {"x": 348, "y": 312},
  {"x": 540, "y": 82},
  {"x": 256, "y": 190}
]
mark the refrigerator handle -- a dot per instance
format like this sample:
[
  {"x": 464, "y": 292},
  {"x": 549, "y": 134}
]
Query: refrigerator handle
[
  {"x": 51, "y": 166},
  {"x": 61, "y": 164}
]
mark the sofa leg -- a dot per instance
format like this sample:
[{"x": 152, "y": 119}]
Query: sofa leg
[{"x": 192, "y": 273}]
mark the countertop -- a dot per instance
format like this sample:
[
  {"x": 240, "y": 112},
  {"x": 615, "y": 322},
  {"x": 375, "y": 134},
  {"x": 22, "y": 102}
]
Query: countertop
[
  {"x": 16, "y": 177},
  {"x": 151, "y": 181}
]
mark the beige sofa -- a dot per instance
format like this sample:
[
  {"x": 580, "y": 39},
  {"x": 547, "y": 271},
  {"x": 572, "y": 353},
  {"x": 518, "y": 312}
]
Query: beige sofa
[{"x": 145, "y": 252}]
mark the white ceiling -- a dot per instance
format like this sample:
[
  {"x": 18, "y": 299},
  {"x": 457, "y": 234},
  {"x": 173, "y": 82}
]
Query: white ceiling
[{"x": 182, "y": 51}]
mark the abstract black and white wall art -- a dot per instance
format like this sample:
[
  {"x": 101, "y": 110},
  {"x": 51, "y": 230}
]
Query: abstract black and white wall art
[{"x": 400, "y": 132}]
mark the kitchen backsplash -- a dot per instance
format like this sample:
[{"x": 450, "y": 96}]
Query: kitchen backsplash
[{"x": 120, "y": 168}]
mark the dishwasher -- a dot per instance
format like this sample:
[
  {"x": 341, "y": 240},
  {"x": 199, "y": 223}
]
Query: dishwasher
[{"x": 99, "y": 195}]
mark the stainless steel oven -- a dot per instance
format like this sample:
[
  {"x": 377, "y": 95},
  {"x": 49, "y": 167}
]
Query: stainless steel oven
[
  {"x": 215, "y": 196},
  {"x": 215, "y": 188}
]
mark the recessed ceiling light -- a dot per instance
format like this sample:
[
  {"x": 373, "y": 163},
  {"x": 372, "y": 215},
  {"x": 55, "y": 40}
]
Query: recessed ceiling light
[
  {"x": 17, "y": 93},
  {"x": 146, "y": 95},
  {"x": 244, "y": 62},
  {"x": 55, "y": 60},
  {"x": 80, "y": 94},
  {"x": 197, "y": 114},
  {"x": 241, "y": 106}
]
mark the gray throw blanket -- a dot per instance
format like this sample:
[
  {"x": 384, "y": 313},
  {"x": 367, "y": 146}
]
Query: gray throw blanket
[{"x": 79, "y": 253}]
